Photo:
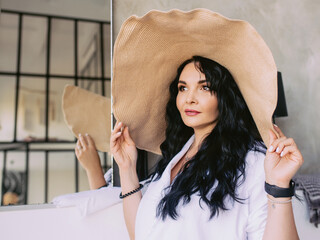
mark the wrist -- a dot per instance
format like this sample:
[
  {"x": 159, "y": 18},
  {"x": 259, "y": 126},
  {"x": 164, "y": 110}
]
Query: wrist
[
  {"x": 97, "y": 170},
  {"x": 280, "y": 192},
  {"x": 128, "y": 179},
  {"x": 278, "y": 199},
  {"x": 278, "y": 183}
]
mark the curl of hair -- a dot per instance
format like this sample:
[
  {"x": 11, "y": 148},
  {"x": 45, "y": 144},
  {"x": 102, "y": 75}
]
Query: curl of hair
[{"x": 221, "y": 156}]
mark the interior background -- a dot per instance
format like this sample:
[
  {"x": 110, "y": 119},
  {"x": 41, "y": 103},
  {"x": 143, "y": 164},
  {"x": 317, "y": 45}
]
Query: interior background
[{"x": 291, "y": 30}]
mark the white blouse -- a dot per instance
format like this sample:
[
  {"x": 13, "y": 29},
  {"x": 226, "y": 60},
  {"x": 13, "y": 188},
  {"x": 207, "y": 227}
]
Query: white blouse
[{"x": 242, "y": 221}]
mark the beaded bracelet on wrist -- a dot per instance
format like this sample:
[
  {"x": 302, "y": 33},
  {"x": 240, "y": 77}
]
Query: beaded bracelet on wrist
[{"x": 132, "y": 192}]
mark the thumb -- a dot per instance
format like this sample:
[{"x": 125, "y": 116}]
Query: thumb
[
  {"x": 272, "y": 137},
  {"x": 127, "y": 137}
]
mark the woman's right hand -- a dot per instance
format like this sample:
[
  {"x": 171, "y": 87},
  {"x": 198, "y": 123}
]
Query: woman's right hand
[{"x": 123, "y": 148}]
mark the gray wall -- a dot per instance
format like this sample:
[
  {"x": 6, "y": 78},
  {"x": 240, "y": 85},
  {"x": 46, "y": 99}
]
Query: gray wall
[{"x": 291, "y": 30}]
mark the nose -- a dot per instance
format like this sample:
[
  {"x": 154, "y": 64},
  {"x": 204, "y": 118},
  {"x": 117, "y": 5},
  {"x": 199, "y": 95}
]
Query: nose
[{"x": 191, "y": 97}]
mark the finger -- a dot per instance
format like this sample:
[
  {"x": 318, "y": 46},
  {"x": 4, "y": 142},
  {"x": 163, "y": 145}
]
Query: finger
[
  {"x": 275, "y": 144},
  {"x": 83, "y": 142},
  {"x": 282, "y": 144},
  {"x": 77, "y": 150},
  {"x": 127, "y": 136},
  {"x": 288, "y": 149},
  {"x": 113, "y": 139},
  {"x": 117, "y": 127},
  {"x": 272, "y": 137},
  {"x": 78, "y": 144},
  {"x": 90, "y": 140},
  {"x": 278, "y": 130}
]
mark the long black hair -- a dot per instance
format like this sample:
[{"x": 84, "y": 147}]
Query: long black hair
[{"x": 221, "y": 157}]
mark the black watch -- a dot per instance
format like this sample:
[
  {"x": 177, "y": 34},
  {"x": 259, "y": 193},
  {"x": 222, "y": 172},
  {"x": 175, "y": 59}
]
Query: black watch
[{"x": 279, "y": 192}]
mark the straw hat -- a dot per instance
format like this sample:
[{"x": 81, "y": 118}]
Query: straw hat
[
  {"x": 149, "y": 49},
  {"x": 87, "y": 112}
]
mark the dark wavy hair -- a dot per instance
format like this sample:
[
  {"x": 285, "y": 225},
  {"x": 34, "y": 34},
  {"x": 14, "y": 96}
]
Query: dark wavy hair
[{"x": 221, "y": 156}]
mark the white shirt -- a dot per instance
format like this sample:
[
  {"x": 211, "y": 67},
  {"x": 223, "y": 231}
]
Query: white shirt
[{"x": 242, "y": 221}]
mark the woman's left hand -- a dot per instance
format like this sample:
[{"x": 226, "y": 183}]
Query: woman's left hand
[{"x": 283, "y": 159}]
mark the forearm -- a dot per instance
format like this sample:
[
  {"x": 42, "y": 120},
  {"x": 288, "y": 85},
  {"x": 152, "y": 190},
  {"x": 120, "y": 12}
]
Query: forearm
[
  {"x": 129, "y": 181},
  {"x": 280, "y": 221},
  {"x": 96, "y": 178}
]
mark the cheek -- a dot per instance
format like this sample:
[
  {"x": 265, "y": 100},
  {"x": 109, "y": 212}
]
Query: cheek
[
  {"x": 179, "y": 102},
  {"x": 212, "y": 107}
]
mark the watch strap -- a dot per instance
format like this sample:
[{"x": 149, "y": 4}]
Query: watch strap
[{"x": 279, "y": 192}]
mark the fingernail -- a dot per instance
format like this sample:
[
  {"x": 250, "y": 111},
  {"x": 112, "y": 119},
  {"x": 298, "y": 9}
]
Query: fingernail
[
  {"x": 281, "y": 155},
  {"x": 86, "y": 134},
  {"x": 278, "y": 150},
  {"x": 270, "y": 148},
  {"x": 79, "y": 134},
  {"x": 275, "y": 125},
  {"x": 119, "y": 133},
  {"x": 79, "y": 147}
]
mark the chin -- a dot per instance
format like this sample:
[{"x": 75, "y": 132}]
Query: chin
[
  {"x": 199, "y": 125},
  {"x": 194, "y": 124}
]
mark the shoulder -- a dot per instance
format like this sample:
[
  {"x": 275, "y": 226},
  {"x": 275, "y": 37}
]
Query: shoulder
[
  {"x": 254, "y": 158},
  {"x": 254, "y": 173}
]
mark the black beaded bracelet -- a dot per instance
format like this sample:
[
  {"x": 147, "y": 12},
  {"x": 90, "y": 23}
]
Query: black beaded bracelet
[{"x": 132, "y": 192}]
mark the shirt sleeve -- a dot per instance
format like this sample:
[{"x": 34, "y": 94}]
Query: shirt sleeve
[{"x": 258, "y": 203}]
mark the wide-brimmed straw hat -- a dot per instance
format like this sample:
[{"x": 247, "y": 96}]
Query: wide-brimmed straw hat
[
  {"x": 149, "y": 49},
  {"x": 87, "y": 112}
]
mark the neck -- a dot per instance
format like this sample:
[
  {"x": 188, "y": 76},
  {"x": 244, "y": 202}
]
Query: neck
[{"x": 200, "y": 135}]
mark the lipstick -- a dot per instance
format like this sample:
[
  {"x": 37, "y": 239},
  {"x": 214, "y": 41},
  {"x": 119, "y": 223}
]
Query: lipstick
[{"x": 191, "y": 112}]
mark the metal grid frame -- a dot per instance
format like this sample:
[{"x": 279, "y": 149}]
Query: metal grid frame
[{"x": 23, "y": 146}]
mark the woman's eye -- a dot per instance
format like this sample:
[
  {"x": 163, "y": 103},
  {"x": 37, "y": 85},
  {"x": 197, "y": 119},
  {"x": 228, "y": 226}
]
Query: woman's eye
[
  {"x": 206, "y": 88},
  {"x": 182, "y": 88}
]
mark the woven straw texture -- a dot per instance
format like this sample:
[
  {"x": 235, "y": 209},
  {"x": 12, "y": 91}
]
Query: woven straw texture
[{"x": 149, "y": 49}]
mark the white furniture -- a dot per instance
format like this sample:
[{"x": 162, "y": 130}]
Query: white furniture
[{"x": 46, "y": 221}]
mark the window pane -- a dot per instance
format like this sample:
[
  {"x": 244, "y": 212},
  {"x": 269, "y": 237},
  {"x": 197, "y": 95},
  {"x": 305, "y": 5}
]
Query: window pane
[
  {"x": 61, "y": 174},
  {"x": 107, "y": 52},
  {"x": 107, "y": 88},
  {"x": 36, "y": 181},
  {"x": 62, "y": 47},
  {"x": 89, "y": 50},
  {"x": 91, "y": 85},
  {"x": 8, "y": 42},
  {"x": 57, "y": 126},
  {"x": 32, "y": 109},
  {"x": 14, "y": 185},
  {"x": 7, "y": 105},
  {"x": 34, "y": 45},
  {"x": 105, "y": 165}
]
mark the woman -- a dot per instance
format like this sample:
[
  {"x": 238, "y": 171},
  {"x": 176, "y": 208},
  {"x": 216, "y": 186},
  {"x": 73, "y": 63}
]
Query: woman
[
  {"x": 211, "y": 108},
  {"x": 209, "y": 183}
]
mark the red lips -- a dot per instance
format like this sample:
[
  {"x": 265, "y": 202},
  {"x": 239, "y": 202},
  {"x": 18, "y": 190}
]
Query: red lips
[{"x": 191, "y": 112}]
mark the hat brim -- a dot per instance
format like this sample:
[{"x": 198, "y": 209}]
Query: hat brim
[
  {"x": 148, "y": 51},
  {"x": 87, "y": 112}
]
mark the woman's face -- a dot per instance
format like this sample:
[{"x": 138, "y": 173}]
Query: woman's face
[{"x": 198, "y": 106}]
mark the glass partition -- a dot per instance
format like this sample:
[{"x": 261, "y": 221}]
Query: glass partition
[{"x": 40, "y": 55}]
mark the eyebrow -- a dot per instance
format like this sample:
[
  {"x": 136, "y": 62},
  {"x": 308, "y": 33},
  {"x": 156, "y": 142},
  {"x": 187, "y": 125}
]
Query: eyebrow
[{"x": 199, "y": 82}]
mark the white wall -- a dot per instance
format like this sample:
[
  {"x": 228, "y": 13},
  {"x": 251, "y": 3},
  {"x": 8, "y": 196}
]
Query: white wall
[{"x": 291, "y": 30}]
